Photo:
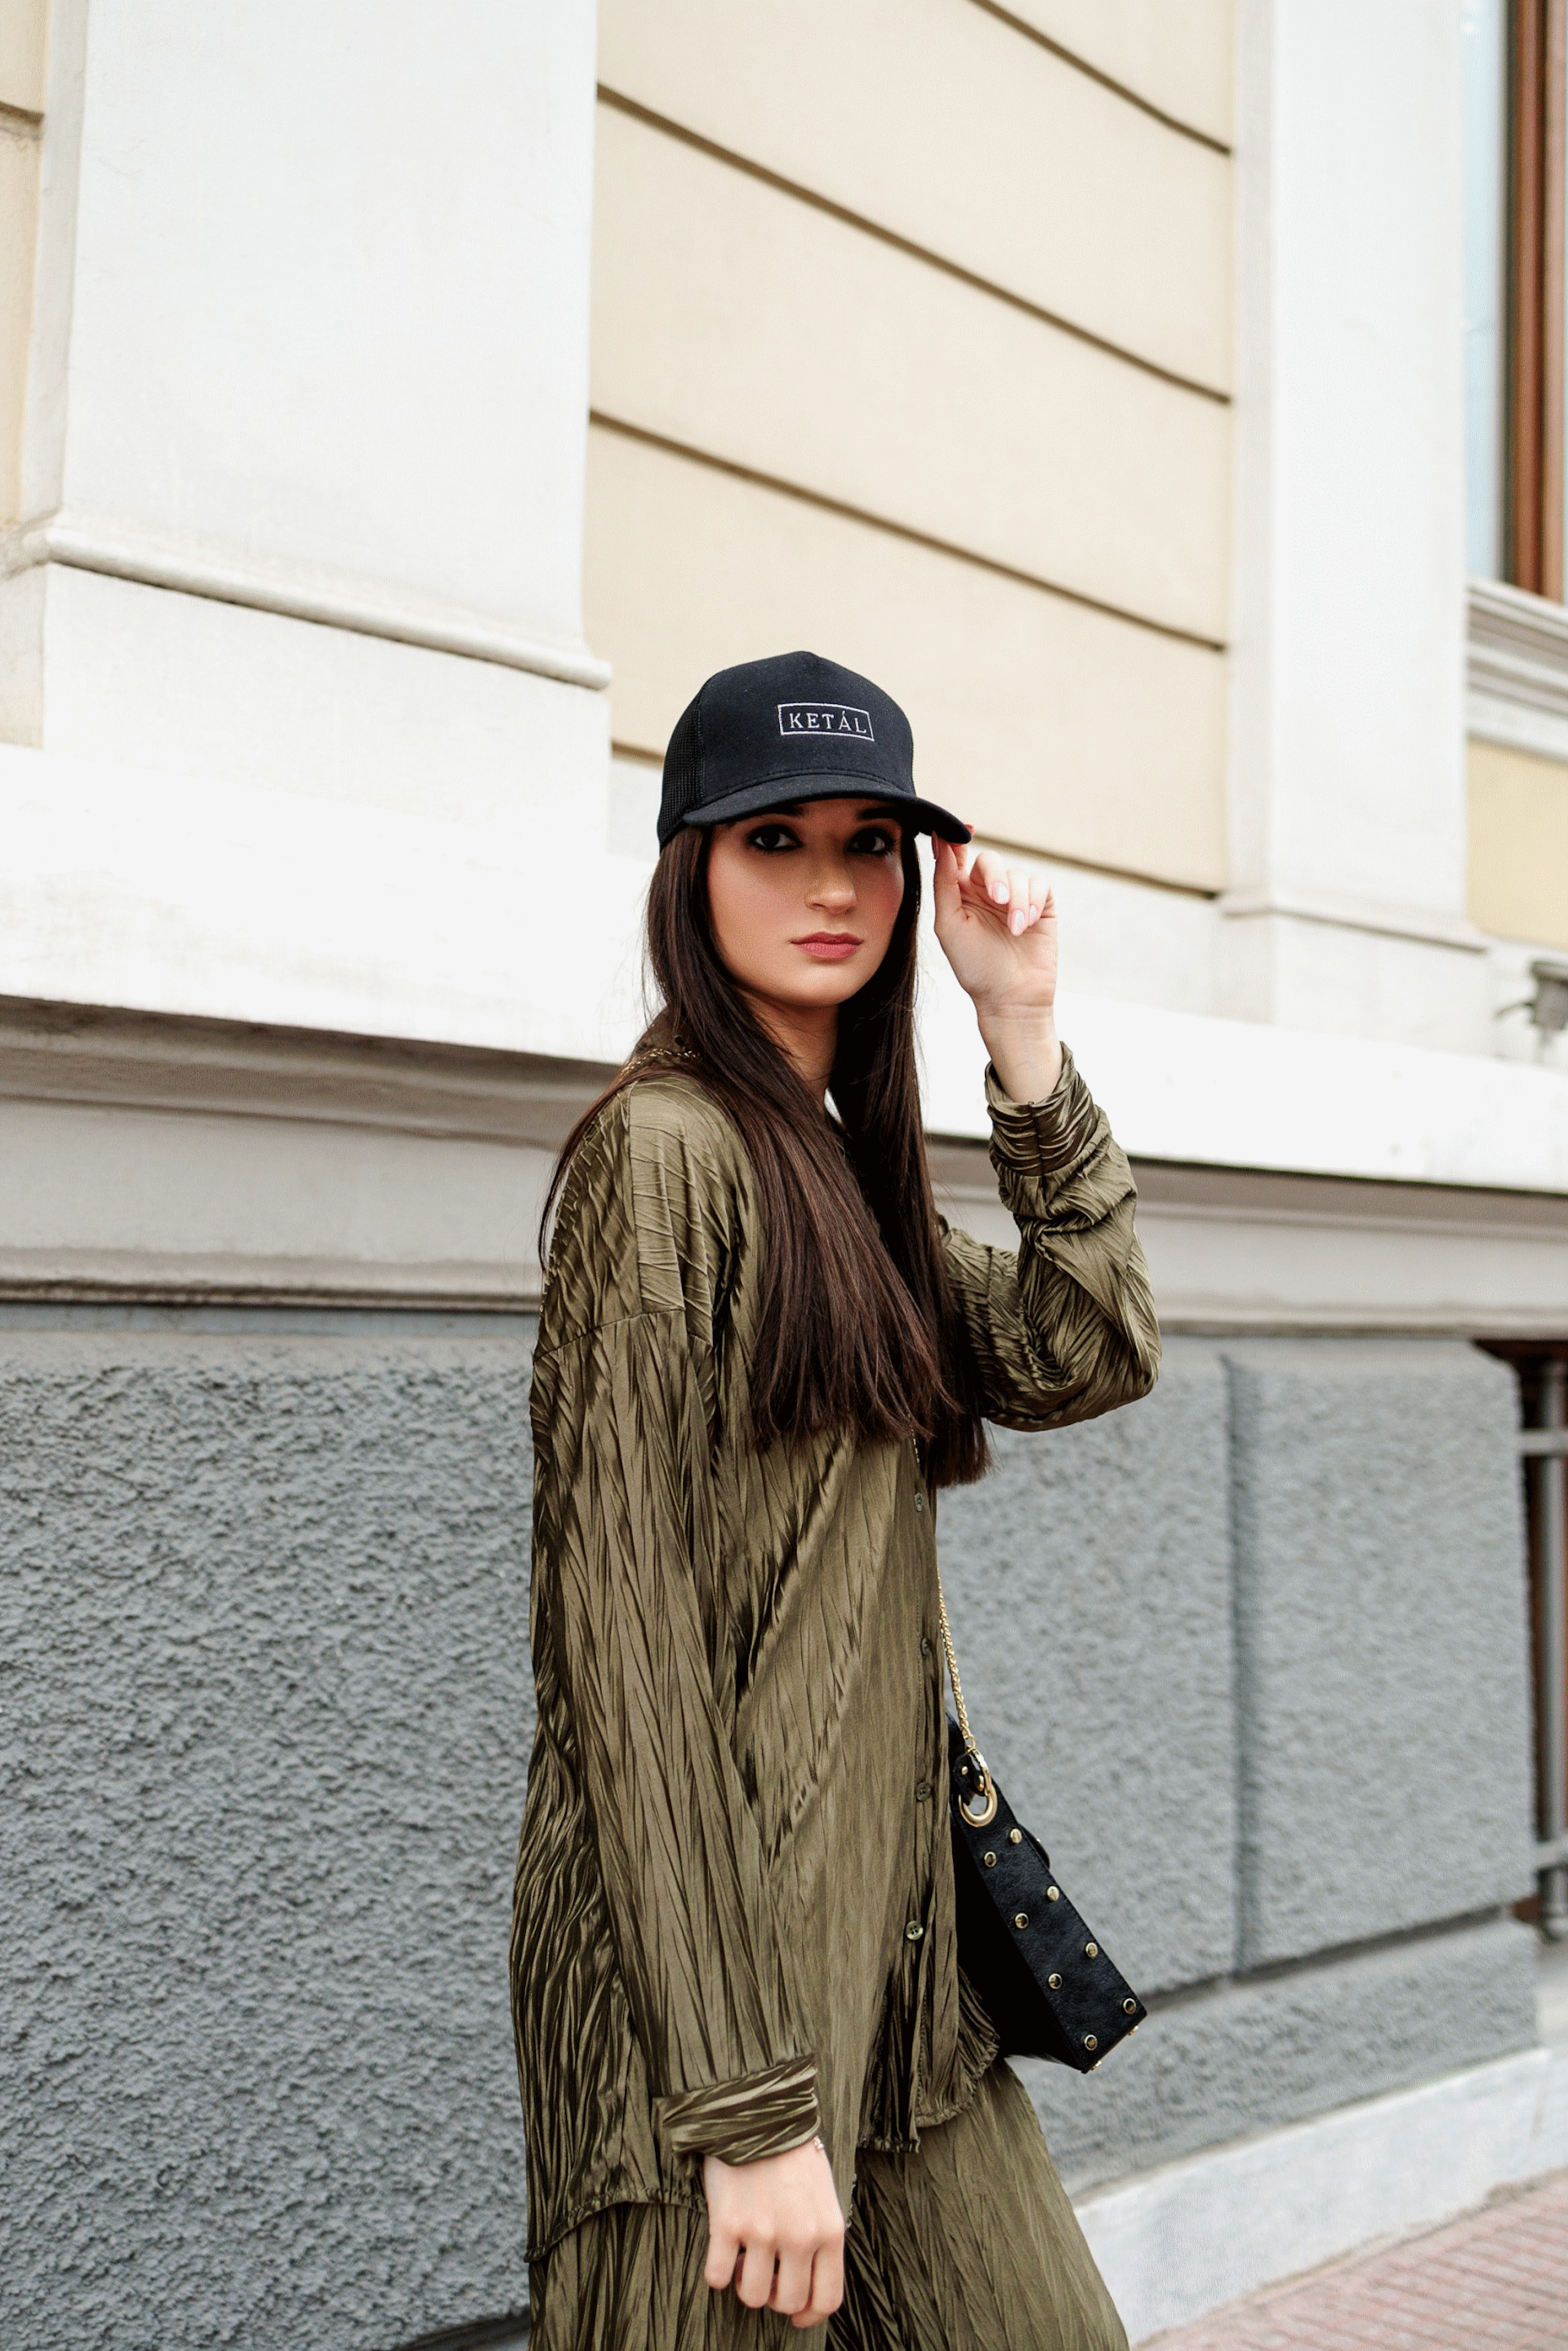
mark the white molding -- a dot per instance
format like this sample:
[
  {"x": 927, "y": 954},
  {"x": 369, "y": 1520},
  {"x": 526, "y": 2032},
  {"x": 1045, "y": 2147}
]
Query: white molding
[
  {"x": 100, "y": 1057},
  {"x": 367, "y": 1169},
  {"x": 1519, "y": 645},
  {"x": 179, "y": 1161},
  {"x": 373, "y": 1169},
  {"x": 1517, "y": 669},
  {"x": 1241, "y": 1249},
  {"x": 1186, "y": 2239},
  {"x": 1201, "y": 1090},
  {"x": 1489, "y": 718},
  {"x": 87, "y": 543},
  {"x": 148, "y": 1277},
  {"x": 1350, "y": 914}
]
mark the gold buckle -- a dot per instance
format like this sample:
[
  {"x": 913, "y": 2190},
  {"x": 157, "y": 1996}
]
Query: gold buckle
[{"x": 980, "y": 1810}]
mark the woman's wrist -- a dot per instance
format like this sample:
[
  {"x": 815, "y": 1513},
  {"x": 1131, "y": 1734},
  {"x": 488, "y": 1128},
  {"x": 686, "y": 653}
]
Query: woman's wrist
[
  {"x": 1025, "y": 1050},
  {"x": 775, "y": 2232}
]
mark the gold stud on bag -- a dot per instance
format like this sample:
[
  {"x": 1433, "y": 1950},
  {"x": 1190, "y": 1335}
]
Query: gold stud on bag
[{"x": 1042, "y": 1977}]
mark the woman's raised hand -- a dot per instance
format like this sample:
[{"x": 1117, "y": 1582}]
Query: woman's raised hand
[
  {"x": 776, "y": 2233},
  {"x": 997, "y": 926}
]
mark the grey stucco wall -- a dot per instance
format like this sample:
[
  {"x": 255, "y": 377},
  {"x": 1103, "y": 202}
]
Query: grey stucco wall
[
  {"x": 1250, "y": 2054},
  {"x": 1250, "y": 1656},
  {"x": 263, "y": 1679},
  {"x": 1088, "y": 1579},
  {"x": 1380, "y": 1623}
]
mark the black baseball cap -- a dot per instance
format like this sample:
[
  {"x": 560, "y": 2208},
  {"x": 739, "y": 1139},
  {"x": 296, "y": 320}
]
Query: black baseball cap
[{"x": 794, "y": 727}]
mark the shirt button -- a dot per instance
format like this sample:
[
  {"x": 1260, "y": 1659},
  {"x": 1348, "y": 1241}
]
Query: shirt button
[
  {"x": 925, "y": 1647},
  {"x": 920, "y": 1501},
  {"x": 914, "y": 1931},
  {"x": 922, "y": 1792}
]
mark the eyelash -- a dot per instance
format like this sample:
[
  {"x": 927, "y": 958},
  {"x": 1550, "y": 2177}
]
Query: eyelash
[{"x": 758, "y": 840}]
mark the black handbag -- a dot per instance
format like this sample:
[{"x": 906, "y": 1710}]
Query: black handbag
[{"x": 1042, "y": 1975}]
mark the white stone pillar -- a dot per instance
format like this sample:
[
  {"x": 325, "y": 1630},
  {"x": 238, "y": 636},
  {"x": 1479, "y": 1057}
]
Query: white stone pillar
[
  {"x": 1347, "y": 905},
  {"x": 293, "y": 609}
]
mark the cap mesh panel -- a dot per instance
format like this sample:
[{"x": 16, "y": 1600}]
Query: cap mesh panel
[{"x": 682, "y": 772}]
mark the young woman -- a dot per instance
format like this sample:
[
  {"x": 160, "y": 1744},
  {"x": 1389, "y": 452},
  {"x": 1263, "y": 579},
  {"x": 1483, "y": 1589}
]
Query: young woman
[{"x": 739, "y": 2013}]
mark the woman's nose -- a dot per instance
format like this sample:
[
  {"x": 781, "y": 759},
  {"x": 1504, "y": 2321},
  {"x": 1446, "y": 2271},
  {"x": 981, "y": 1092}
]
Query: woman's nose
[{"x": 831, "y": 885}]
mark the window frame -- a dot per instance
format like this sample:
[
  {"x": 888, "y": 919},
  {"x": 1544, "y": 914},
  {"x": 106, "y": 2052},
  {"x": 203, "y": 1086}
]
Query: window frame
[{"x": 1537, "y": 85}]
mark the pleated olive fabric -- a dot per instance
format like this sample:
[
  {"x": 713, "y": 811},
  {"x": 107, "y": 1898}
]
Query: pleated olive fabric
[
  {"x": 967, "y": 2244},
  {"x": 734, "y": 1916}
]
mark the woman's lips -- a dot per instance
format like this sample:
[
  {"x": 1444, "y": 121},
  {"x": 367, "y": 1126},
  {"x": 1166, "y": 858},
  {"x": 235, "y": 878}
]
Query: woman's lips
[{"x": 829, "y": 947}]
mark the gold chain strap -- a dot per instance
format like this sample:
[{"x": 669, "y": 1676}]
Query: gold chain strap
[
  {"x": 981, "y": 1808},
  {"x": 953, "y": 1668}
]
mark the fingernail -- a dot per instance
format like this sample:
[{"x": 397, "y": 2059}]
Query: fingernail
[{"x": 999, "y": 893}]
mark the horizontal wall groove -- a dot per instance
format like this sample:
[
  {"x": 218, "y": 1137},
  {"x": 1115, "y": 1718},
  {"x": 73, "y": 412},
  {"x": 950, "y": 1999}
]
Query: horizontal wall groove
[
  {"x": 906, "y": 246},
  {"x": 484, "y": 2334},
  {"x": 892, "y": 528},
  {"x": 1332, "y": 1954},
  {"x": 285, "y": 1316},
  {"x": 146, "y": 1291},
  {"x": 21, "y": 119},
  {"x": 1107, "y": 82}
]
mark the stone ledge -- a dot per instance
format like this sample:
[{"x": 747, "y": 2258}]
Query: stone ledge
[{"x": 1183, "y": 2240}]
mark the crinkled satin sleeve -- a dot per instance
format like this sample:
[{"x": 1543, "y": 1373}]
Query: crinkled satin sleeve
[
  {"x": 1062, "y": 1328},
  {"x": 628, "y": 1533}
]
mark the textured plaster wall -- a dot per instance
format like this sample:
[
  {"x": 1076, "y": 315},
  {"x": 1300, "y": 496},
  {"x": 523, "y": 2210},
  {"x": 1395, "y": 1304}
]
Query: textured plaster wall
[
  {"x": 1241, "y": 2057},
  {"x": 1380, "y": 1620},
  {"x": 1088, "y": 1579},
  {"x": 1249, "y": 1654},
  {"x": 263, "y": 1678}
]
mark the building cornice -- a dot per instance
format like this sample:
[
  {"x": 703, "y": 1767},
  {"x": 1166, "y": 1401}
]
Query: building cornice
[
  {"x": 105, "y": 1057},
  {"x": 1517, "y": 669},
  {"x": 260, "y": 1167},
  {"x": 124, "y": 551}
]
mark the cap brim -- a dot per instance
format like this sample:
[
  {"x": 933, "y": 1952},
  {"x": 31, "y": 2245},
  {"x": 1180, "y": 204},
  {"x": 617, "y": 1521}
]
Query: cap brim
[{"x": 778, "y": 791}]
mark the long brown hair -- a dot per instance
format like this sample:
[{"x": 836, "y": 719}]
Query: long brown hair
[{"x": 858, "y": 1326}]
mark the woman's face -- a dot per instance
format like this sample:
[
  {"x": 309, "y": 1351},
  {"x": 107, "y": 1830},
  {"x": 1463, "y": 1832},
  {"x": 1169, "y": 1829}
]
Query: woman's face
[{"x": 802, "y": 899}]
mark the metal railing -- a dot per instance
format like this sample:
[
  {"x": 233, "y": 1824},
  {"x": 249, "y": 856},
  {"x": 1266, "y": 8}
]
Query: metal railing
[{"x": 1545, "y": 1450}]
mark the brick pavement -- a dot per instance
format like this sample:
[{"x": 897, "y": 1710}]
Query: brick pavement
[{"x": 1496, "y": 2281}]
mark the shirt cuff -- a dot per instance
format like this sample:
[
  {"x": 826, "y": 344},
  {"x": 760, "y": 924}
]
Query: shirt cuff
[
  {"x": 1048, "y": 1134},
  {"x": 741, "y": 2122}
]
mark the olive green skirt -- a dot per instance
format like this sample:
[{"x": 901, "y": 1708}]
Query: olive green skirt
[{"x": 970, "y": 2244}]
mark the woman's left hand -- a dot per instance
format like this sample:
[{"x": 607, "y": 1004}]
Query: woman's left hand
[{"x": 997, "y": 926}]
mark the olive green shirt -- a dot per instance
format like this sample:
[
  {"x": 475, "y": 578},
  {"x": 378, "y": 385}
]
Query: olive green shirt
[{"x": 734, "y": 1920}]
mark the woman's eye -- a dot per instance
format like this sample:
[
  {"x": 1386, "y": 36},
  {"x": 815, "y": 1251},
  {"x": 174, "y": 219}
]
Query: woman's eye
[
  {"x": 771, "y": 838},
  {"x": 874, "y": 842}
]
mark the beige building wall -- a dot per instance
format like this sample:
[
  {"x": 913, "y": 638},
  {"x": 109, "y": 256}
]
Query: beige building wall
[
  {"x": 924, "y": 362},
  {"x": 1519, "y": 844},
  {"x": 24, "y": 44}
]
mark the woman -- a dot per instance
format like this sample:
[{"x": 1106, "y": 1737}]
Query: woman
[{"x": 738, "y": 2009}]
